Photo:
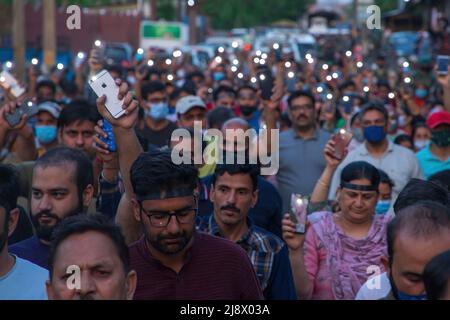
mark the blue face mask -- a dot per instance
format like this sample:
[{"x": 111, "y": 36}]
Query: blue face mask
[
  {"x": 382, "y": 206},
  {"x": 421, "y": 93},
  {"x": 158, "y": 111},
  {"x": 217, "y": 76},
  {"x": 374, "y": 134},
  {"x": 404, "y": 296},
  {"x": 45, "y": 134}
]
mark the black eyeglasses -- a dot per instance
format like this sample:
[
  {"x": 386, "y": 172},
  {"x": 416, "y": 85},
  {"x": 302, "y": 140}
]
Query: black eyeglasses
[{"x": 161, "y": 219}]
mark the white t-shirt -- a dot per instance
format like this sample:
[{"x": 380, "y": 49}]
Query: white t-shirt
[
  {"x": 25, "y": 281},
  {"x": 375, "y": 288}
]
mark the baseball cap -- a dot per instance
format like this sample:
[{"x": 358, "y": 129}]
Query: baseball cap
[
  {"x": 187, "y": 103},
  {"x": 437, "y": 118},
  {"x": 51, "y": 107}
]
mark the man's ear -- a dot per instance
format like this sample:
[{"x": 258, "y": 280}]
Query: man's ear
[
  {"x": 385, "y": 262},
  {"x": 131, "y": 284},
  {"x": 136, "y": 209},
  {"x": 255, "y": 196},
  {"x": 49, "y": 290},
  {"x": 88, "y": 194},
  {"x": 13, "y": 220}
]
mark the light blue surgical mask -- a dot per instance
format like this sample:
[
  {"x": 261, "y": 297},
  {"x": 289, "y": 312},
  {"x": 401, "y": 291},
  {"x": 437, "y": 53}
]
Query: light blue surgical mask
[
  {"x": 421, "y": 93},
  {"x": 217, "y": 76},
  {"x": 45, "y": 134},
  {"x": 158, "y": 111},
  {"x": 382, "y": 206}
]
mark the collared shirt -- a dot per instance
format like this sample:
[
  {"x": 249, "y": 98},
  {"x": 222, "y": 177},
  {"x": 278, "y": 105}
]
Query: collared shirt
[
  {"x": 215, "y": 269},
  {"x": 269, "y": 257},
  {"x": 301, "y": 163},
  {"x": 398, "y": 162},
  {"x": 430, "y": 164}
]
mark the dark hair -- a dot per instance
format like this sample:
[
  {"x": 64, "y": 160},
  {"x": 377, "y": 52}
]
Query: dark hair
[
  {"x": 383, "y": 83},
  {"x": 417, "y": 190},
  {"x": 301, "y": 93},
  {"x": 223, "y": 88},
  {"x": 441, "y": 178},
  {"x": 80, "y": 224},
  {"x": 116, "y": 68},
  {"x": 9, "y": 188},
  {"x": 423, "y": 219},
  {"x": 193, "y": 74},
  {"x": 361, "y": 170},
  {"x": 46, "y": 83},
  {"x": 218, "y": 116},
  {"x": 231, "y": 169},
  {"x": 58, "y": 156},
  {"x": 189, "y": 88},
  {"x": 246, "y": 87},
  {"x": 417, "y": 126},
  {"x": 346, "y": 84},
  {"x": 69, "y": 87},
  {"x": 377, "y": 106},
  {"x": 436, "y": 276},
  {"x": 154, "y": 171},
  {"x": 78, "y": 110},
  {"x": 152, "y": 87},
  {"x": 384, "y": 178},
  {"x": 401, "y": 138}
]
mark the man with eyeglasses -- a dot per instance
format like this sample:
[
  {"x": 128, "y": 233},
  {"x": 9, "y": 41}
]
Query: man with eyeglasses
[
  {"x": 301, "y": 148},
  {"x": 171, "y": 259},
  {"x": 398, "y": 162}
]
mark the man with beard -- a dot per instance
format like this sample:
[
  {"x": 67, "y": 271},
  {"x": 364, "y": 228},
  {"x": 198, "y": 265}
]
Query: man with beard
[
  {"x": 301, "y": 148},
  {"x": 234, "y": 191},
  {"x": 19, "y": 278},
  {"x": 172, "y": 260},
  {"x": 62, "y": 186},
  {"x": 98, "y": 248},
  {"x": 247, "y": 100}
]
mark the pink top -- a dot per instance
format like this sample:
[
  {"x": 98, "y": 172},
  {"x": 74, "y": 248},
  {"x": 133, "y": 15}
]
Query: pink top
[{"x": 337, "y": 265}]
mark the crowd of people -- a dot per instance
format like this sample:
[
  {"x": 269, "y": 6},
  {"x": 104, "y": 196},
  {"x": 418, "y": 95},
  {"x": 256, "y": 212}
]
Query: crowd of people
[{"x": 89, "y": 215}]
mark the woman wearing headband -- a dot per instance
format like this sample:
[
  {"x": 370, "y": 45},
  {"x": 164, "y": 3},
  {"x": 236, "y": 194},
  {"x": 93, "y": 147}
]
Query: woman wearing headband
[{"x": 341, "y": 250}]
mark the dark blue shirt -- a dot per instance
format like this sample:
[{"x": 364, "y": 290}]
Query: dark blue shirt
[
  {"x": 265, "y": 214},
  {"x": 32, "y": 250}
]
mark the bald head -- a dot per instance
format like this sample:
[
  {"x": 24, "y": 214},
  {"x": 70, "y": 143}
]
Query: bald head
[{"x": 235, "y": 123}]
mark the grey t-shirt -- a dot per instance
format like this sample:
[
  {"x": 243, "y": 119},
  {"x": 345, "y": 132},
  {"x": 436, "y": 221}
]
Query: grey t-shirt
[{"x": 301, "y": 163}]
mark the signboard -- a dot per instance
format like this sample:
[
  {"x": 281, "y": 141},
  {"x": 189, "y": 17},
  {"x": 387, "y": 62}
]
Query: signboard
[{"x": 163, "y": 34}]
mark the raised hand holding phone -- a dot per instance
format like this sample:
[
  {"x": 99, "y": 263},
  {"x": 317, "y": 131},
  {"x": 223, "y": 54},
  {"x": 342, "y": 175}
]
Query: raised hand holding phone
[{"x": 128, "y": 118}]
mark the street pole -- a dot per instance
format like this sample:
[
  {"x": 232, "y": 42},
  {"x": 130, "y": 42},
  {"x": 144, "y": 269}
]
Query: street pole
[
  {"x": 19, "y": 38},
  {"x": 192, "y": 18},
  {"x": 49, "y": 34},
  {"x": 153, "y": 10}
]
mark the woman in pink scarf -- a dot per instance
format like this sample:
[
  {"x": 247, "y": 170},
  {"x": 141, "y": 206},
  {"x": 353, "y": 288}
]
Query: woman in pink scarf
[{"x": 341, "y": 250}]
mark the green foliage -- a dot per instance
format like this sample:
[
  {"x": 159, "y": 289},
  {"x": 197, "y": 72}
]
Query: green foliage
[{"x": 247, "y": 13}]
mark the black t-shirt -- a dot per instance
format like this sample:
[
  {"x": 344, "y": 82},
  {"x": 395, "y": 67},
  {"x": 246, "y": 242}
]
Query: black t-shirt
[{"x": 150, "y": 138}]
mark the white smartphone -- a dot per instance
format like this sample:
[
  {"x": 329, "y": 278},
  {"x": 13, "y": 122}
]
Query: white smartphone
[
  {"x": 442, "y": 65},
  {"x": 7, "y": 81},
  {"x": 104, "y": 84}
]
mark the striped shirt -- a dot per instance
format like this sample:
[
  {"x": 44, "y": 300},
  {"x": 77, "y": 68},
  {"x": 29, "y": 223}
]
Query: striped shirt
[{"x": 269, "y": 257}]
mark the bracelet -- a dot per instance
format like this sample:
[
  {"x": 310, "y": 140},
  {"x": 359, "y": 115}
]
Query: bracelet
[{"x": 323, "y": 183}]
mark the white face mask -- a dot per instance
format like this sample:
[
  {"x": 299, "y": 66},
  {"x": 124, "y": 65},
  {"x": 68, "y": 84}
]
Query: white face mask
[{"x": 421, "y": 143}]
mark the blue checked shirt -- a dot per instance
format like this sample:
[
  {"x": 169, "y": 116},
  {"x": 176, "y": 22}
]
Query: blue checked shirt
[{"x": 269, "y": 257}]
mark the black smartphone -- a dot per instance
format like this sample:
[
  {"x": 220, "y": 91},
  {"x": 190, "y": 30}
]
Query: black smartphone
[
  {"x": 266, "y": 81},
  {"x": 27, "y": 108}
]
